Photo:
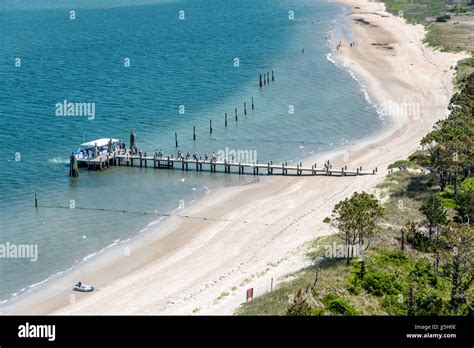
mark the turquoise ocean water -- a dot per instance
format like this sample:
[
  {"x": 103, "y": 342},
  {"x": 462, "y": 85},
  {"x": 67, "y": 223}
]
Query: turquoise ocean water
[{"x": 173, "y": 62}]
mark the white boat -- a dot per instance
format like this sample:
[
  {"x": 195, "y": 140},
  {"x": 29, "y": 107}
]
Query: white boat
[
  {"x": 94, "y": 149},
  {"x": 83, "y": 287}
]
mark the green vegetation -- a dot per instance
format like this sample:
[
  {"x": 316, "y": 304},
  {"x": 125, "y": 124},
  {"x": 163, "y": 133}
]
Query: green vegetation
[
  {"x": 404, "y": 163},
  {"x": 421, "y": 255},
  {"x": 416, "y": 11},
  {"x": 449, "y": 148},
  {"x": 449, "y": 24},
  {"x": 465, "y": 68},
  {"x": 355, "y": 218},
  {"x": 407, "y": 273},
  {"x": 443, "y": 18},
  {"x": 435, "y": 215}
]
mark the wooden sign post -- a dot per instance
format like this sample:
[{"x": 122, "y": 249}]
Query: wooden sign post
[{"x": 249, "y": 295}]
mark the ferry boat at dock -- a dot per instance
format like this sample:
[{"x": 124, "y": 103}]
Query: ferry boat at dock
[{"x": 95, "y": 150}]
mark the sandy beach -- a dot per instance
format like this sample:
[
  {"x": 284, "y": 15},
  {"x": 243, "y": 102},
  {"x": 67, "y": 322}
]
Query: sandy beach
[{"x": 260, "y": 231}]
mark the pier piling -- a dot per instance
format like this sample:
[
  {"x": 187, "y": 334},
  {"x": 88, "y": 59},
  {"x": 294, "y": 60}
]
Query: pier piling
[
  {"x": 73, "y": 167},
  {"x": 273, "y": 76},
  {"x": 260, "y": 80},
  {"x": 245, "y": 108},
  {"x": 210, "y": 126},
  {"x": 194, "y": 132},
  {"x": 176, "y": 139},
  {"x": 252, "y": 104},
  {"x": 36, "y": 200},
  {"x": 226, "y": 119},
  {"x": 236, "y": 117}
]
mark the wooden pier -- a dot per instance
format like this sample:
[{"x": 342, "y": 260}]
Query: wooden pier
[{"x": 169, "y": 162}]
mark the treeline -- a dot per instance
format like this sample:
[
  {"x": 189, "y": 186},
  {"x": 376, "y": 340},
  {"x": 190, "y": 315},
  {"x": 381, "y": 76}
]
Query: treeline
[{"x": 448, "y": 151}]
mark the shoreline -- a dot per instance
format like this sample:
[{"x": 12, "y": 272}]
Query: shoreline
[{"x": 262, "y": 229}]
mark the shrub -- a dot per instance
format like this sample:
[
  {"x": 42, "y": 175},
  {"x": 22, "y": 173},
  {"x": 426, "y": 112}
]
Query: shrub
[
  {"x": 337, "y": 305},
  {"x": 394, "y": 257},
  {"x": 428, "y": 303},
  {"x": 443, "y": 18},
  {"x": 378, "y": 284},
  {"x": 403, "y": 164},
  {"x": 423, "y": 273},
  {"x": 300, "y": 305},
  {"x": 420, "y": 241}
]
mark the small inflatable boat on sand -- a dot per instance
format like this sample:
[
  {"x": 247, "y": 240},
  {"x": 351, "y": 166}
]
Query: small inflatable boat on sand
[{"x": 83, "y": 287}]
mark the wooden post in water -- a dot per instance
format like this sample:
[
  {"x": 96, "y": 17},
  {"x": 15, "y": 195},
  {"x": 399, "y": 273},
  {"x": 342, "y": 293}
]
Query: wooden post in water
[
  {"x": 194, "y": 132},
  {"x": 273, "y": 76},
  {"x": 73, "y": 168},
  {"x": 245, "y": 108},
  {"x": 226, "y": 119},
  {"x": 176, "y": 139},
  {"x": 210, "y": 126},
  {"x": 36, "y": 200},
  {"x": 264, "y": 79},
  {"x": 236, "y": 118},
  {"x": 253, "y": 107},
  {"x": 260, "y": 80},
  {"x": 268, "y": 77}
]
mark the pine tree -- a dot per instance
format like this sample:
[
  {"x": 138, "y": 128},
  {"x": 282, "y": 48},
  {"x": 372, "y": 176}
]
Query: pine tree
[{"x": 434, "y": 213}]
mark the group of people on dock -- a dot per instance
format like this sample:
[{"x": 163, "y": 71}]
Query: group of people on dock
[{"x": 195, "y": 156}]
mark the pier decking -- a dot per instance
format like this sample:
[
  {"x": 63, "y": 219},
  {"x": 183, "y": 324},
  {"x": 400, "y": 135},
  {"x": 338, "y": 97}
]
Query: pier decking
[{"x": 113, "y": 159}]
